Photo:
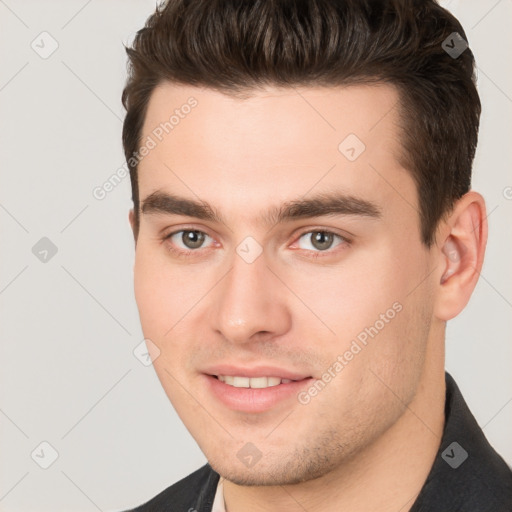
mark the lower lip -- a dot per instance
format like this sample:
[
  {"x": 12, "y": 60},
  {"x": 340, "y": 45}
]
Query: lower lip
[{"x": 254, "y": 399}]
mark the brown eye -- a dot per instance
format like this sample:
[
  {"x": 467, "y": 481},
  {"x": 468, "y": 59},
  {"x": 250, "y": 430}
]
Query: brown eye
[{"x": 192, "y": 239}]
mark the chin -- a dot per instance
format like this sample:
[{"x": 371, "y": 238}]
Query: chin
[
  {"x": 294, "y": 471},
  {"x": 251, "y": 477}
]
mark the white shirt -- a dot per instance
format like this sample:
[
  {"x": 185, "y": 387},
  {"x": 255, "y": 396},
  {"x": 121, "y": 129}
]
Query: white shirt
[{"x": 218, "y": 502}]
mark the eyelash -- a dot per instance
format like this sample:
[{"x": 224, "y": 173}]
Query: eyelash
[{"x": 315, "y": 254}]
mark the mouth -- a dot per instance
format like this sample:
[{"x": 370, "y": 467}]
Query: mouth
[
  {"x": 252, "y": 382},
  {"x": 255, "y": 394}
]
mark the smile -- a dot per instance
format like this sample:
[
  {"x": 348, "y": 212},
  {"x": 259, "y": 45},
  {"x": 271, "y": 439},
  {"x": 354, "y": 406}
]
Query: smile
[
  {"x": 252, "y": 382},
  {"x": 254, "y": 394}
]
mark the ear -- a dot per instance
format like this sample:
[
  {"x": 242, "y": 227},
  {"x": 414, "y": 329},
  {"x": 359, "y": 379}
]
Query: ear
[
  {"x": 131, "y": 218},
  {"x": 462, "y": 239}
]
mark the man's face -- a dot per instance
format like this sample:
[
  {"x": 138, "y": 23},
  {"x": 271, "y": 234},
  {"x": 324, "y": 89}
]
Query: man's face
[{"x": 341, "y": 303}]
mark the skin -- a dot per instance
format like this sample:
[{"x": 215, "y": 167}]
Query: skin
[{"x": 367, "y": 441}]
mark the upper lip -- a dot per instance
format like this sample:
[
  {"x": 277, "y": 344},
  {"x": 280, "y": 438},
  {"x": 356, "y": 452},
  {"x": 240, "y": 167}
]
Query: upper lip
[{"x": 257, "y": 371}]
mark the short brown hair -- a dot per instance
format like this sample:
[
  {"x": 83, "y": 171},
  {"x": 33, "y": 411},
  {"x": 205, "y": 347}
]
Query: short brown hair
[{"x": 235, "y": 46}]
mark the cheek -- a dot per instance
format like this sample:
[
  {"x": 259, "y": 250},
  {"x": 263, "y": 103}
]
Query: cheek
[
  {"x": 163, "y": 292},
  {"x": 377, "y": 376},
  {"x": 161, "y": 306},
  {"x": 373, "y": 317},
  {"x": 350, "y": 296},
  {"x": 150, "y": 285}
]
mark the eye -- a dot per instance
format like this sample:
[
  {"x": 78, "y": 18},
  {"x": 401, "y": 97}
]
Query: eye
[
  {"x": 185, "y": 242},
  {"x": 190, "y": 240},
  {"x": 321, "y": 240}
]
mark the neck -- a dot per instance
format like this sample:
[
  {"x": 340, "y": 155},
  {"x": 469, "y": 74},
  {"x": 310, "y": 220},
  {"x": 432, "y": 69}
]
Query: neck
[{"x": 386, "y": 476}]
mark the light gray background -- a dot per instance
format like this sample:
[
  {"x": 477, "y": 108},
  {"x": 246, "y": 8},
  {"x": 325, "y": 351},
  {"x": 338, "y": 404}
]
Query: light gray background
[{"x": 68, "y": 327}]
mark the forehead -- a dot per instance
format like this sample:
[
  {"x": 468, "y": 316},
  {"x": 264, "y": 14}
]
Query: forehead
[
  {"x": 330, "y": 113},
  {"x": 277, "y": 143}
]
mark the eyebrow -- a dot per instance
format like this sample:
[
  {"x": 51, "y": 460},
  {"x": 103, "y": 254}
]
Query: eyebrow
[{"x": 320, "y": 205}]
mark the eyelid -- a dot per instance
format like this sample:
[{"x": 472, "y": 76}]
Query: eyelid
[
  {"x": 344, "y": 235},
  {"x": 179, "y": 229}
]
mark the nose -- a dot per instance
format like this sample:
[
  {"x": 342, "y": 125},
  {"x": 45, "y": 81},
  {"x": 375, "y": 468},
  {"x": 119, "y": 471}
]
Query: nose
[{"x": 251, "y": 303}]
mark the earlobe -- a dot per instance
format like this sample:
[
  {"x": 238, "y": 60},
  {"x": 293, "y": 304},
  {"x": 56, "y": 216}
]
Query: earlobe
[{"x": 461, "y": 255}]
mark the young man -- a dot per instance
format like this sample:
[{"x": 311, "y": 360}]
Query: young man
[{"x": 304, "y": 229}]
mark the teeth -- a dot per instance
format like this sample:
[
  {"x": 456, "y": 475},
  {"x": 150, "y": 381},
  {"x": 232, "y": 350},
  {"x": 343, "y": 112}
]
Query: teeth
[
  {"x": 241, "y": 382},
  {"x": 258, "y": 382},
  {"x": 252, "y": 382}
]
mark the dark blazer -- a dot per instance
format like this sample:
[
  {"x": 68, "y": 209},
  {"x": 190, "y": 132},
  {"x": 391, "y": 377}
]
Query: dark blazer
[{"x": 467, "y": 475}]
